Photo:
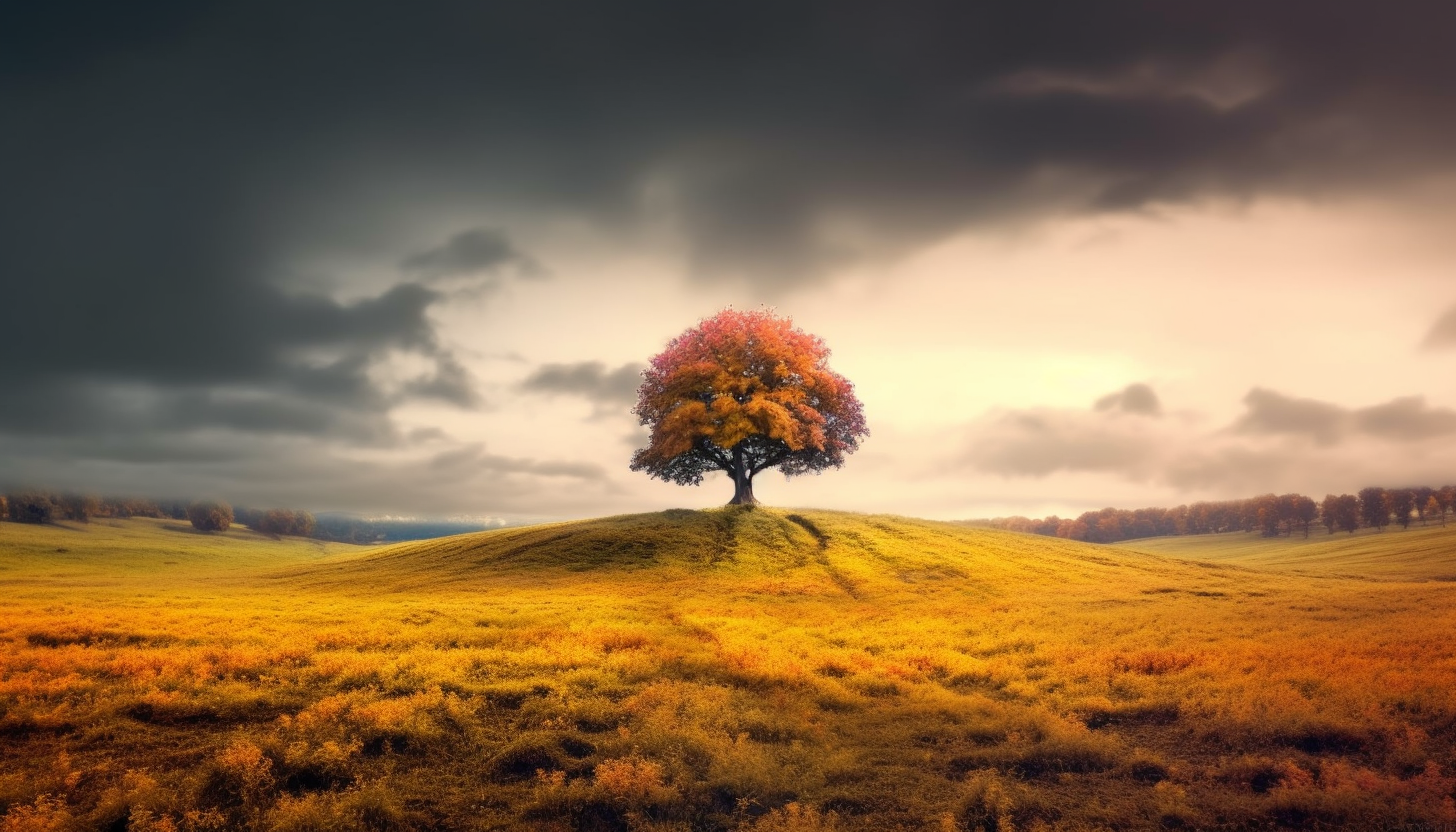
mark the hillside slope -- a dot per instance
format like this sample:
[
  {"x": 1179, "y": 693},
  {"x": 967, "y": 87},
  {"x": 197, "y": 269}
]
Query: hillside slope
[
  {"x": 1417, "y": 553},
  {"x": 728, "y": 669},
  {"x": 805, "y": 552}
]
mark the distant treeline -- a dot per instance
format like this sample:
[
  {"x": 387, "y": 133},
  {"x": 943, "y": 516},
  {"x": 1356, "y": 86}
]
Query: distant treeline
[
  {"x": 1271, "y": 514},
  {"x": 345, "y": 528},
  {"x": 211, "y": 516}
]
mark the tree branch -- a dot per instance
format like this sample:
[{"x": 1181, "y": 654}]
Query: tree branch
[
  {"x": 714, "y": 453},
  {"x": 770, "y": 461}
]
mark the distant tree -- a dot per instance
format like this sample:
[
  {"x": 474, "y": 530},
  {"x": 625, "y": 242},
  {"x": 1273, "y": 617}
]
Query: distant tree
[
  {"x": 1072, "y": 530},
  {"x": 4, "y": 507},
  {"x": 1374, "y": 508},
  {"x": 1446, "y": 494},
  {"x": 174, "y": 509},
  {"x": 130, "y": 507},
  {"x": 1200, "y": 518},
  {"x": 1401, "y": 501},
  {"x": 1179, "y": 518},
  {"x": 1329, "y": 512},
  {"x": 1265, "y": 512},
  {"x": 208, "y": 516},
  {"x": 1105, "y": 526},
  {"x": 281, "y": 521},
  {"x": 78, "y": 507},
  {"x": 1348, "y": 513},
  {"x": 303, "y": 524},
  {"x": 1302, "y": 511},
  {"x": 1433, "y": 508},
  {"x": 31, "y": 507},
  {"x": 1422, "y": 495},
  {"x": 274, "y": 521},
  {"x": 250, "y": 517},
  {"x": 743, "y": 392}
]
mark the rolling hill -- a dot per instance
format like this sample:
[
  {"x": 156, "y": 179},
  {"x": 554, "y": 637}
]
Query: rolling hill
[
  {"x": 1417, "y": 553},
  {"x": 725, "y": 669}
]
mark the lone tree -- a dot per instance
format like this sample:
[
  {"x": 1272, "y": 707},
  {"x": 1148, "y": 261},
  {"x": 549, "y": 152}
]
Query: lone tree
[{"x": 742, "y": 392}]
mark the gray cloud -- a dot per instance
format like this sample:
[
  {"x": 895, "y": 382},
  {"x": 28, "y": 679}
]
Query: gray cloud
[
  {"x": 450, "y": 382},
  {"x": 1135, "y": 398},
  {"x": 475, "y": 458},
  {"x": 1406, "y": 419},
  {"x": 608, "y": 389},
  {"x": 1270, "y": 412},
  {"x": 258, "y": 469},
  {"x": 1036, "y": 443},
  {"x": 1042, "y": 441},
  {"x": 469, "y": 253},
  {"x": 1280, "y": 443},
  {"x": 1443, "y": 332}
]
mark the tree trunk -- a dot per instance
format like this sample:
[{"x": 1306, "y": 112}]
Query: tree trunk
[
  {"x": 743, "y": 492},
  {"x": 742, "y": 481}
]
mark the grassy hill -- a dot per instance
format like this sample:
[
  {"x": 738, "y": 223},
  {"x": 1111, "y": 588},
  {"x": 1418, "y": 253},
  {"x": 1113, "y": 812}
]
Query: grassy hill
[
  {"x": 724, "y": 669},
  {"x": 1417, "y": 553}
]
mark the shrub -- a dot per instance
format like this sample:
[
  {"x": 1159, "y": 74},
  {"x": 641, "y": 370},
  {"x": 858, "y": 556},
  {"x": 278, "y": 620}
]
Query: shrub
[
  {"x": 175, "y": 509},
  {"x": 31, "y": 507},
  {"x": 991, "y": 803},
  {"x": 797, "y": 818},
  {"x": 208, "y": 516},
  {"x": 46, "y": 814},
  {"x": 303, "y": 524},
  {"x": 1064, "y": 752},
  {"x": 631, "y": 780},
  {"x": 523, "y": 758},
  {"x": 79, "y": 507},
  {"x": 280, "y": 521},
  {"x": 238, "y": 780},
  {"x": 129, "y": 507}
]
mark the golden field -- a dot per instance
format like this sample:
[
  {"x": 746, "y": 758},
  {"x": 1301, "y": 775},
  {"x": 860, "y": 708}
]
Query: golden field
[{"x": 744, "y": 669}]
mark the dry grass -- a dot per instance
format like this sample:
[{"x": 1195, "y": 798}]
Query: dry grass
[
  {"x": 726, "y": 669},
  {"x": 1418, "y": 553}
]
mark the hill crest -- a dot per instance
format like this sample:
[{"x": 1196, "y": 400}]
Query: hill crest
[{"x": 794, "y": 551}]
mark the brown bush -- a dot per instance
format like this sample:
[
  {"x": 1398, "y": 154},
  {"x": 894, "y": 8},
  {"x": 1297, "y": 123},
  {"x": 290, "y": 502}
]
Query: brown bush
[{"x": 207, "y": 516}]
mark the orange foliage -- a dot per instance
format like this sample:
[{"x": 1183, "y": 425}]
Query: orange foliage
[{"x": 743, "y": 392}]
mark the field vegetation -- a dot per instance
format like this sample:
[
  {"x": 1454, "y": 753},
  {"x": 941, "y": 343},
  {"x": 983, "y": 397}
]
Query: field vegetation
[
  {"x": 1417, "y": 553},
  {"x": 739, "y": 668}
]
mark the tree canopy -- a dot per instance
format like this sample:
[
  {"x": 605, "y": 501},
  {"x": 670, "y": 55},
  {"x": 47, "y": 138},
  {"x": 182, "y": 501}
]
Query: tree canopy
[
  {"x": 743, "y": 392},
  {"x": 209, "y": 516}
]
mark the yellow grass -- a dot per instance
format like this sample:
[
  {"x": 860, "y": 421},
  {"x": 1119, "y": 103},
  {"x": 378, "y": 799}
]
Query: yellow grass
[
  {"x": 726, "y": 669},
  {"x": 1418, "y": 553}
]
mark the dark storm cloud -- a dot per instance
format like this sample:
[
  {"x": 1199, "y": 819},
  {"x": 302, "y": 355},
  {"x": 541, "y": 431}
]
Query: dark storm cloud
[
  {"x": 1405, "y": 419},
  {"x": 760, "y": 125},
  {"x": 169, "y": 169},
  {"x": 251, "y": 358},
  {"x": 1135, "y": 398},
  {"x": 591, "y": 380}
]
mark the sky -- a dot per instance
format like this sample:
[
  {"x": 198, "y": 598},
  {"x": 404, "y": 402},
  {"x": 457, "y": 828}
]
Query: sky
[{"x": 409, "y": 260}]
